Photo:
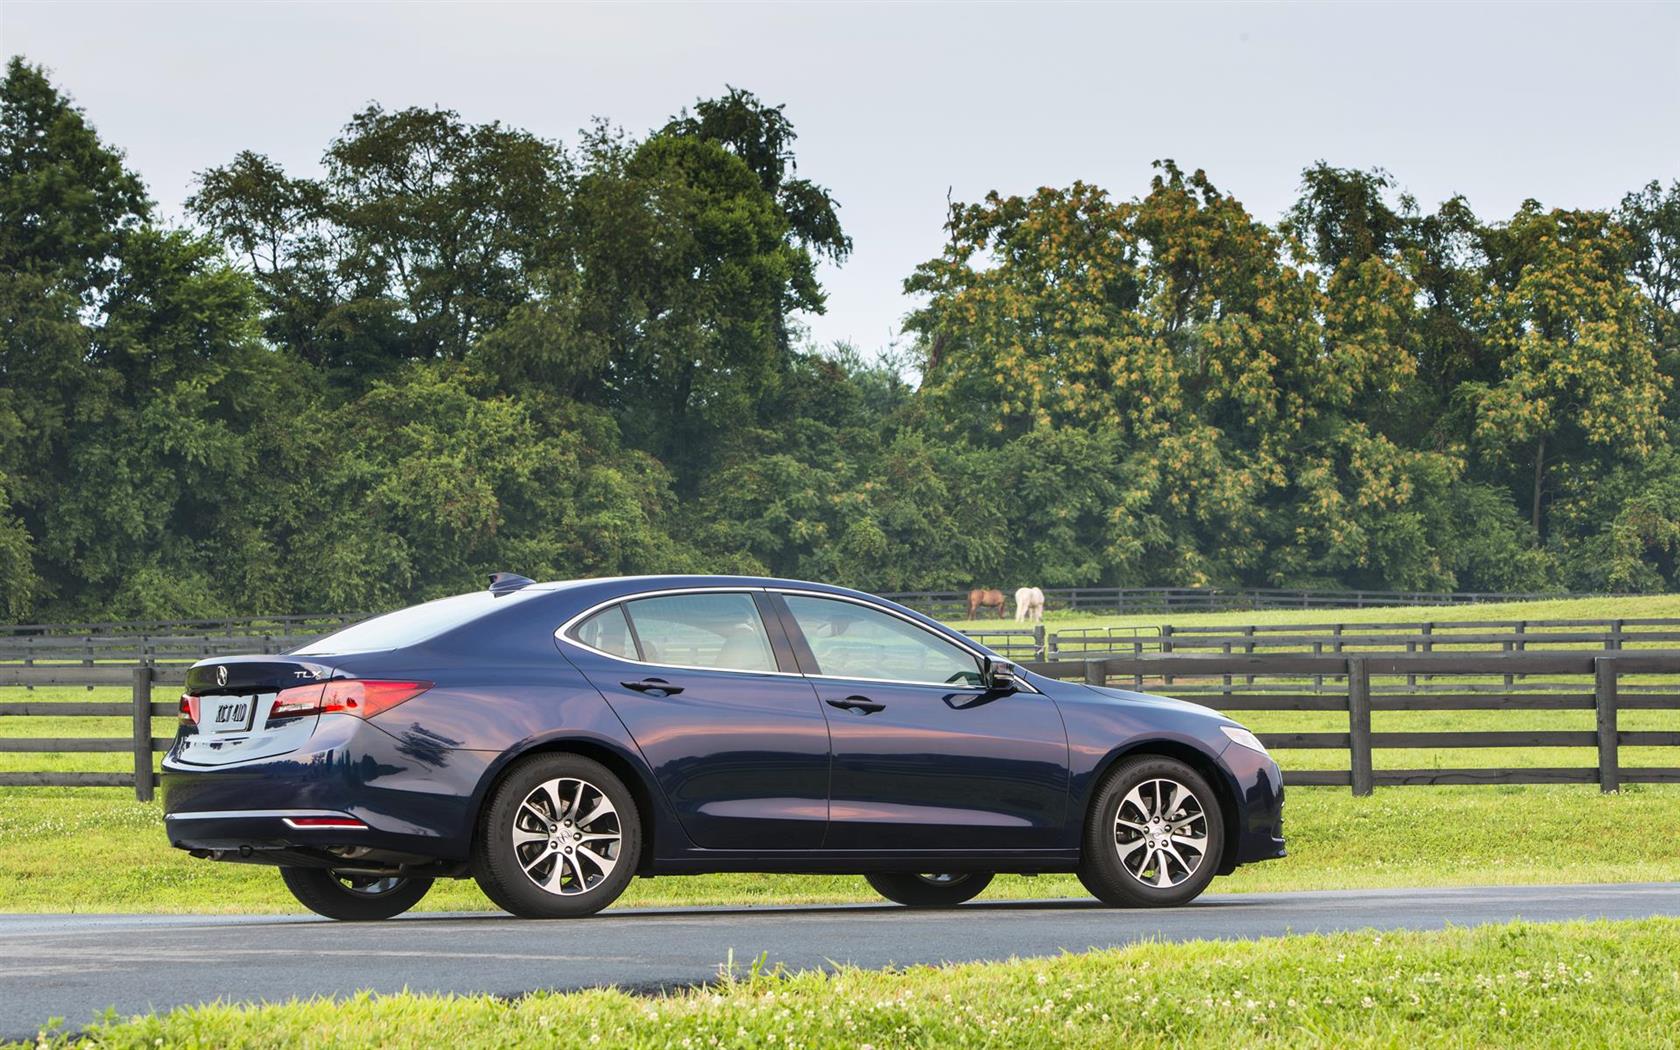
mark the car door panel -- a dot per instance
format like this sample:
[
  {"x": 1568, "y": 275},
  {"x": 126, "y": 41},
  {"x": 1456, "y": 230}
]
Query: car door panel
[
  {"x": 934, "y": 768},
  {"x": 926, "y": 765},
  {"x": 742, "y": 756}
]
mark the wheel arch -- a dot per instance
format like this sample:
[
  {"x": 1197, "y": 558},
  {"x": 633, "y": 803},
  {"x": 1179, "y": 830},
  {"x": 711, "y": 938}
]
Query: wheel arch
[
  {"x": 620, "y": 764},
  {"x": 1201, "y": 761}
]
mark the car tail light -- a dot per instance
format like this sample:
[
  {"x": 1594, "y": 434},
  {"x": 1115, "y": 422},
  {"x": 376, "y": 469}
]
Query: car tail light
[
  {"x": 298, "y": 700},
  {"x": 362, "y": 697},
  {"x": 189, "y": 709}
]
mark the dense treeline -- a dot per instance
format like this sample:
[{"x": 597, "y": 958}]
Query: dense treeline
[{"x": 463, "y": 348}]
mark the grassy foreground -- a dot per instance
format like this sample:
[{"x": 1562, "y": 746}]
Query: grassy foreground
[
  {"x": 1597, "y": 984},
  {"x": 96, "y": 851}
]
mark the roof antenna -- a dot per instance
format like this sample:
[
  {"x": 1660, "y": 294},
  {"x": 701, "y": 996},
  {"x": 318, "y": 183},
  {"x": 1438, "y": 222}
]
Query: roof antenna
[{"x": 508, "y": 582}]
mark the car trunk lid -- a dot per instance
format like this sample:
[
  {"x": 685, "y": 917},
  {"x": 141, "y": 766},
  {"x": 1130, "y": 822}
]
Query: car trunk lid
[{"x": 231, "y": 703}]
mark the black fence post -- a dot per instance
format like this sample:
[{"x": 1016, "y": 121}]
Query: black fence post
[
  {"x": 1359, "y": 725},
  {"x": 1096, "y": 672},
  {"x": 1038, "y": 641},
  {"x": 1167, "y": 647},
  {"x": 1604, "y": 701},
  {"x": 143, "y": 732}
]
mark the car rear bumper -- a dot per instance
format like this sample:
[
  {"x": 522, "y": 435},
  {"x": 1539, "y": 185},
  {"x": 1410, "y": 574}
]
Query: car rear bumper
[{"x": 411, "y": 799}]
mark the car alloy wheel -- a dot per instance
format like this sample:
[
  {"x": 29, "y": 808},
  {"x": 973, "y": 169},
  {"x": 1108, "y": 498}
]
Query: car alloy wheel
[
  {"x": 1154, "y": 834},
  {"x": 559, "y": 837},
  {"x": 567, "y": 836},
  {"x": 1160, "y": 833}
]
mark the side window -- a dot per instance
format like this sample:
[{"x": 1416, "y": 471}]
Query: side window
[
  {"x": 854, "y": 641},
  {"x": 720, "y": 630},
  {"x": 607, "y": 631}
]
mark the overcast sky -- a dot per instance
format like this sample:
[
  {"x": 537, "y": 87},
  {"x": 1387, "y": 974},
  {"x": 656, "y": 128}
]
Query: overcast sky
[{"x": 898, "y": 105}]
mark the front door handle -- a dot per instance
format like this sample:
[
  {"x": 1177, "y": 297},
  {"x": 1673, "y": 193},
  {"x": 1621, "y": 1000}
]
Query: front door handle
[
  {"x": 653, "y": 685},
  {"x": 857, "y": 703}
]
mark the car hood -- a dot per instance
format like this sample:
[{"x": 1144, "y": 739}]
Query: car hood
[{"x": 1155, "y": 700}]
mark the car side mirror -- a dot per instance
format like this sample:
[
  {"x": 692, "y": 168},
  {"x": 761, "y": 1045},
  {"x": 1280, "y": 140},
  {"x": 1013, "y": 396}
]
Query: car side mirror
[{"x": 1002, "y": 676}]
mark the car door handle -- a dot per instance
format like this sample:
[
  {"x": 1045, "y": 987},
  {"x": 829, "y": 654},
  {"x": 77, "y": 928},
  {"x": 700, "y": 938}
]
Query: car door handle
[
  {"x": 857, "y": 703},
  {"x": 653, "y": 685}
]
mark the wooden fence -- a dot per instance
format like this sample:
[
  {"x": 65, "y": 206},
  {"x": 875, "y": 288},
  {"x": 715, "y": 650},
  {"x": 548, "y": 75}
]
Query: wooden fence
[
  {"x": 1231, "y": 683},
  {"x": 1511, "y": 636},
  {"x": 140, "y": 709},
  {"x": 1034, "y": 643},
  {"x": 1455, "y": 682},
  {"x": 1210, "y": 599}
]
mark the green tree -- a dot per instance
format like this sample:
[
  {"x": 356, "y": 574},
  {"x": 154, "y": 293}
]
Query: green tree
[
  {"x": 1579, "y": 366},
  {"x": 420, "y": 237}
]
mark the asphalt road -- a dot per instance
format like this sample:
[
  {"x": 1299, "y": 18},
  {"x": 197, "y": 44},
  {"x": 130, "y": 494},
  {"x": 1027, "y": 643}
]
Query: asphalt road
[{"x": 73, "y": 966}]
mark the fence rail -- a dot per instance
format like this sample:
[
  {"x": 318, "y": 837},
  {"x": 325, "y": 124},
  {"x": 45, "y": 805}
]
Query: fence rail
[
  {"x": 1210, "y": 599},
  {"x": 139, "y": 710},
  {"x": 1367, "y": 683},
  {"x": 1211, "y": 680},
  {"x": 219, "y": 638}
]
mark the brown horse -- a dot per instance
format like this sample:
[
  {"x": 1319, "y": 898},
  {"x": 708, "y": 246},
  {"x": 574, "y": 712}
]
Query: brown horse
[{"x": 985, "y": 598}]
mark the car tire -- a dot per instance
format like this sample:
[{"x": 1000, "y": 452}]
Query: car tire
[
  {"x": 930, "y": 891},
  {"x": 559, "y": 838},
  {"x": 353, "y": 898},
  {"x": 1154, "y": 835}
]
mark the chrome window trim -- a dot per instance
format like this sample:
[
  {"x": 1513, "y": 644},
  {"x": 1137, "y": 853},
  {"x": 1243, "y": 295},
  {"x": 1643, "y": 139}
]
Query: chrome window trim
[
  {"x": 561, "y": 635},
  {"x": 983, "y": 655}
]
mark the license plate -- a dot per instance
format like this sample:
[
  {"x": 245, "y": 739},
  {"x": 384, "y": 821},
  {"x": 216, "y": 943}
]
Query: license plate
[{"x": 226, "y": 714}]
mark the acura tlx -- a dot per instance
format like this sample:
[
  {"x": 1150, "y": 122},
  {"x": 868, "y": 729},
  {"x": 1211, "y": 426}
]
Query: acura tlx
[{"x": 555, "y": 740}]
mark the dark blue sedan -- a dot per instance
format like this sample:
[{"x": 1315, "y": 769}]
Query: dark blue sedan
[{"x": 555, "y": 740}]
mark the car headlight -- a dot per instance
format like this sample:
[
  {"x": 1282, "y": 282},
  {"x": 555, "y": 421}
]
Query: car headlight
[{"x": 1239, "y": 735}]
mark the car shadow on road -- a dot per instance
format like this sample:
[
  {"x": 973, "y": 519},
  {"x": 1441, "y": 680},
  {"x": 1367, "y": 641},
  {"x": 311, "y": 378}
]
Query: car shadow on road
[{"x": 1071, "y": 904}]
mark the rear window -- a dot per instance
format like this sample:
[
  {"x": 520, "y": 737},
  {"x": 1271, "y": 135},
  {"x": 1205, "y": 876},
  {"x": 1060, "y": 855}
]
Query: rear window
[{"x": 414, "y": 624}]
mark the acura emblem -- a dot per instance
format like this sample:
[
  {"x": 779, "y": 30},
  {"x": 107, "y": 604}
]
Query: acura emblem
[{"x": 221, "y": 675}]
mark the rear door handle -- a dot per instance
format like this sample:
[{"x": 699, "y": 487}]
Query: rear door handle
[
  {"x": 653, "y": 685},
  {"x": 857, "y": 703}
]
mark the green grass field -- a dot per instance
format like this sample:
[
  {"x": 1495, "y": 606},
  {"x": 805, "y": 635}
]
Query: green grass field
[{"x": 1569, "y": 985}]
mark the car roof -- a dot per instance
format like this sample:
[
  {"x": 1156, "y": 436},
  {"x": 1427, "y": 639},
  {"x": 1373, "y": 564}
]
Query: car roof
[
  {"x": 607, "y": 588},
  {"x": 631, "y": 584}
]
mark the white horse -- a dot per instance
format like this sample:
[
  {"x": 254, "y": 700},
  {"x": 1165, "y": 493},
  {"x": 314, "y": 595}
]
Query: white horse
[{"x": 1029, "y": 603}]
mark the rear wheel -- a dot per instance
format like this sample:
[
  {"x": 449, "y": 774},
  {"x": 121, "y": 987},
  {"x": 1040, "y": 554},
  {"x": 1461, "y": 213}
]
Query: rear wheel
[
  {"x": 560, "y": 838},
  {"x": 1154, "y": 835},
  {"x": 351, "y": 897},
  {"x": 930, "y": 891}
]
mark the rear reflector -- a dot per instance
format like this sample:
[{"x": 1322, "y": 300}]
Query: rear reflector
[
  {"x": 362, "y": 697},
  {"x": 325, "y": 822}
]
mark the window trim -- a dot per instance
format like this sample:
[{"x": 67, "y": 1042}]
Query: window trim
[
  {"x": 978, "y": 654},
  {"x": 563, "y": 632},
  {"x": 974, "y": 649},
  {"x": 629, "y": 631}
]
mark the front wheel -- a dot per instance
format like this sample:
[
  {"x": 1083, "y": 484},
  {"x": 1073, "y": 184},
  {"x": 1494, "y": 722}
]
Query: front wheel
[
  {"x": 351, "y": 897},
  {"x": 1153, "y": 837},
  {"x": 930, "y": 891}
]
